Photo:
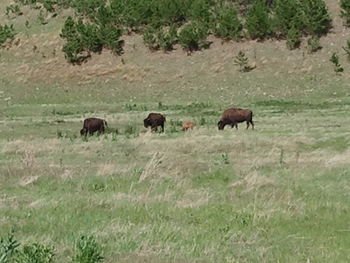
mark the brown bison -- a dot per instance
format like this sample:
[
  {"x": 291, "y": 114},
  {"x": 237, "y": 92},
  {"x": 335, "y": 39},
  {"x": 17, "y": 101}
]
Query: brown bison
[
  {"x": 154, "y": 120},
  {"x": 92, "y": 125},
  {"x": 188, "y": 125},
  {"x": 233, "y": 116}
]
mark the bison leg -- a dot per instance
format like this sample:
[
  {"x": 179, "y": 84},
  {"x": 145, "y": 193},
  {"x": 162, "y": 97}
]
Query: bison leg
[
  {"x": 162, "y": 127},
  {"x": 252, "y": 123},
  {"x": 154, "y": 128},
  {"x": 236, "y": 126},
  {"x": 247, "y": 125}
]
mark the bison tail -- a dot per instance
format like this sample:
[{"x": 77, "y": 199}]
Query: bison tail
[{"x": 164, "y": 119}]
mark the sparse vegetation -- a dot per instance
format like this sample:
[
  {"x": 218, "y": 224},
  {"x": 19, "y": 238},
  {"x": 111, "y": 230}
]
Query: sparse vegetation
[
  {"x": 347, "y": 49},
  {"x": 313, "y": 44},
  {"x": 13, "y": 10},
  {"x": 7, "y": 33},
  {"x": 335, "y": 60}
]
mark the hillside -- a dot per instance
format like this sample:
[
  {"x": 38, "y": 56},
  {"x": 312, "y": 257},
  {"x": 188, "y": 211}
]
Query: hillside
[
  {"x": 37, "y": 62},
  {"x": 279, "y": 193}
]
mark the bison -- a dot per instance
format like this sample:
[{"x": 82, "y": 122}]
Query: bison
[
  {"x": 187, "y": 125},
  {"x": 233, "y": 116},
  {"x": 92, "y": 125},
  {"x": 154, "y": 120}
]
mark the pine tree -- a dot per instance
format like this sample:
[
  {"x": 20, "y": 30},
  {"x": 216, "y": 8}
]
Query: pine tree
[
  {"x": 287, "y": 15},
  {"x": 225, "y": 22},
  {"x": 293, "y": 38},
  {"x": 316, "y": 17},
  {"x": 258, "y": 22},
  {"x": 242, "y": 61}
]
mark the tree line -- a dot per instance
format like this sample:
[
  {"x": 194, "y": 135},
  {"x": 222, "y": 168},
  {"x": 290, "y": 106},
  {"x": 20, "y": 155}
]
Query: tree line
[{"x": 100, "y": 24}]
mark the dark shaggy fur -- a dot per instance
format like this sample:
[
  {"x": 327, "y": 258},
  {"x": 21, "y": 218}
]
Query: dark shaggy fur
[
  {"x": 92, "y": 125},
  {"x": 233, "y": 116},
  {"x": 154, "y": 120}
]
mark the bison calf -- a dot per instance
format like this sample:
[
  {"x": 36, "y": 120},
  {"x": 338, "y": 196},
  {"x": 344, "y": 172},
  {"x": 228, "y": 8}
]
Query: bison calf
[
  {"x": 188, "y": 125},
  {"x": 154, "y": 120},
  {"x": 233, "y": 116},
  {"x": 92, "y": 125}
]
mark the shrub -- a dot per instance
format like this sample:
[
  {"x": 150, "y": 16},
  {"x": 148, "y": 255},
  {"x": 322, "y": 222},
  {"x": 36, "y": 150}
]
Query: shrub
[
  {"x": 36, "y": 253},
  {"x": 109, "y": 36},
  {"x": 313, "y": 44},
  {"x": 13, "y": 9},
  {"x": 258, "y": 22},
  {"x": 345, "y": 11},
  {"x": 347, "y": 49},
  {"x": 317, "y": 20},
  {"x": 193, "y": 37},
  {"x": 226, "y": 23},
  {"x": 167, "y": 38},
  {"x": 293, "y": 38},
  {"x": 6, "y": 34},
  {"x": 87, "y": 250},
  {"x": 335, "y": 60},
  {"x": 160, "y": 38}
]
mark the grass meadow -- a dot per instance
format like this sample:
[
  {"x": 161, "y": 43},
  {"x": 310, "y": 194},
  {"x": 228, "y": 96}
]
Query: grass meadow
[{"x": 279, "y": 193}]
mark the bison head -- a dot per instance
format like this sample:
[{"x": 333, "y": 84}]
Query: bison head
[
  {"x": 83, "y": 131},
  {"x": 146, "y": 123},
  {"x": 221, "y": 125}
]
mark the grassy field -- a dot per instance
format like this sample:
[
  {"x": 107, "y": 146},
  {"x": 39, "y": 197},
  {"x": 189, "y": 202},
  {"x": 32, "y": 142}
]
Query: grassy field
[{"x": 279, "y": 193}]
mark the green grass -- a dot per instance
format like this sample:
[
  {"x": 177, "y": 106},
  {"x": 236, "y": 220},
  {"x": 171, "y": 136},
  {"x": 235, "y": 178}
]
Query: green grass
[
  {"x": 167, "y": 197},
  {"x": 275, "y": 194}
]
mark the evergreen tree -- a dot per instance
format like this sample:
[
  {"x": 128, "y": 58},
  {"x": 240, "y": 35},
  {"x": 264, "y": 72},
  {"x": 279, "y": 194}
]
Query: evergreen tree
[
  {"x": 316, "y": 17},
  {"x": 258, "y": 22},
  {"x": 293, "y": 38},
  {"x": 242, "y": 61},
  {"x": 225, "y": 22},
  {"x": 287, "y": 15}
]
